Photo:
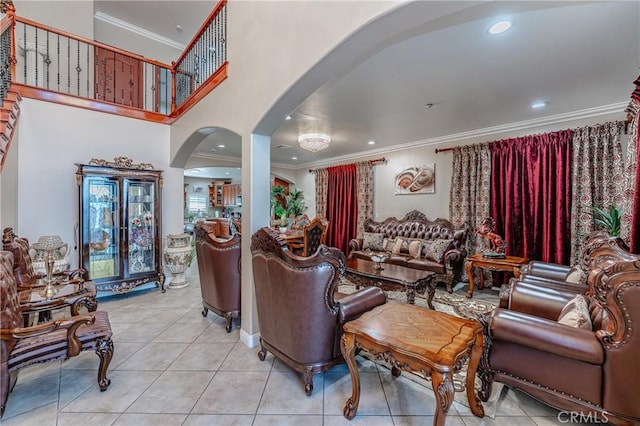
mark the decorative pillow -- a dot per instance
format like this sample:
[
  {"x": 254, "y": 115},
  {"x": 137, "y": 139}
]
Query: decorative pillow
[
  {"x": 415, "y": 247},
  {"x": 436, "y": 249},
  {"x": 401, "y": 246},
  {"x": 388, "y": 244},
  {"x": 576, "y": 275},
  {"x": 576, "y": 313},
  {"x": 372, "y": 241}
]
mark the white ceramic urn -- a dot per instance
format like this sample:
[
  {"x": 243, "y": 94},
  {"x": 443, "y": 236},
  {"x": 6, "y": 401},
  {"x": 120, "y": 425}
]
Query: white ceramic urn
[{"x": 177, "y": 257}]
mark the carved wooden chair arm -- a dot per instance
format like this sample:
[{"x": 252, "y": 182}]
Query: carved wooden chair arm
[{"x": 70, "y": 324}]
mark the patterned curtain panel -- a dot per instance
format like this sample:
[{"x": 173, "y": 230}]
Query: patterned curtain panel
[
  {"x": 470, "y": 190},
  {"x": 531, "y": 195},
  {"x": 321, "y": 192},
  {"x": 632, "y": 172},
  {"x": 598, "y": 177},
  {"x": 364, "y": 176}
]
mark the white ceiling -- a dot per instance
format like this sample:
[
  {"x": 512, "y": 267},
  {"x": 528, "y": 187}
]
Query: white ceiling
[{"x": 572, "y": 55}]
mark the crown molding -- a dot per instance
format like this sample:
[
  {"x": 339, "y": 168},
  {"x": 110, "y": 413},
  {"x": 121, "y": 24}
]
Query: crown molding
[
  {"x": 487, "y": 131},
  {"x": 138, "y": 30},
  {"x": 216, "y": 157}
]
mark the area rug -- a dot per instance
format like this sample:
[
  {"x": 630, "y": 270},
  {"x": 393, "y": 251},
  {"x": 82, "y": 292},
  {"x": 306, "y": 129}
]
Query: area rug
[{"x": 453, "y": 304}]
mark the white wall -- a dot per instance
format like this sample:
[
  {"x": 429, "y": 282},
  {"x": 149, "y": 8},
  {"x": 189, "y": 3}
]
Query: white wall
[
  {"x": 75, "y": 17},
  {"x": 53, "y": 137}
]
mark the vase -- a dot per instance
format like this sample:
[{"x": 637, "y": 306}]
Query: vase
[{"x": 177, "y": 257}]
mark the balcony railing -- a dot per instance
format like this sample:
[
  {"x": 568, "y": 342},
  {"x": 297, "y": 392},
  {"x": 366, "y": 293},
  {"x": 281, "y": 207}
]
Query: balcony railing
[{"x": 55, "y": 61}]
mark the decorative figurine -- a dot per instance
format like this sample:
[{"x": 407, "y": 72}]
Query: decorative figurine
[{"x": 498, "y": 245}]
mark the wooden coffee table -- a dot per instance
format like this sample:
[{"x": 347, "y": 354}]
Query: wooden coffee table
[
  {"x": 393, "y": 277},
  {"x": 509, "y": 263},
  {"x": 413, "y": 338}
]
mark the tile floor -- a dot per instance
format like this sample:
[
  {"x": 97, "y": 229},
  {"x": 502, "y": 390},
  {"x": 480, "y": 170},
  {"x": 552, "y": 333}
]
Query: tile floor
[{"x": 171, "y": 366}]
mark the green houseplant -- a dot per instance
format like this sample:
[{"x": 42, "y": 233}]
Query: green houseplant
[
  {"x": 609, "y": 220},
  {"x": 287, "y": 205}
]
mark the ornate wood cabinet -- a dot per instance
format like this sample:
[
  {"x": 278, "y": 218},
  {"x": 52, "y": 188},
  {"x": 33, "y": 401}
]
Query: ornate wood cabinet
[{"x": 120, "y": 223}]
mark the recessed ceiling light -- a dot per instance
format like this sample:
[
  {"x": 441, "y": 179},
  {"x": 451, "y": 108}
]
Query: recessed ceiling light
[
  {"x": 226, "y": 173},
  {"x": 221, "y": 145},
  {"x": 500, "y": 27},
  {"x": 294, "y": 158},
  {"x": 288, "y": 117},
  {"x": 196, "y": 170},
  {"x": 429, "y": 105},
  {"x": 179, "y": 28},
  {"x": 213, "y": 150},
  {"x": 237, "y": 168},
  {"x": 538, "y": 104},
  {"x": 371, "y": 142}
]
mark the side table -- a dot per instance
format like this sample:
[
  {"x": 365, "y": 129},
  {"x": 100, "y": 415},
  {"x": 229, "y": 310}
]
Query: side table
[
  {"x": 415, "y": 338},
  {"x": 73, "y": 294},
  {"x": 509, "y": 263}
]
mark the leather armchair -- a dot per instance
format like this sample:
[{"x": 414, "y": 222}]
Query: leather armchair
[
  {"x": 219, "y": 269},
  {"x": 23, "y": 271},
  {"x": 595, "y": 372},
  {"x": 300, "y": 313},
  {"x": 52, "y": 341}
]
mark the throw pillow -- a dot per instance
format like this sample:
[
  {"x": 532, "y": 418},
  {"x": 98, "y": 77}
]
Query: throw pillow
[
  {"x": 576, "y": 313},
  {"x": 401, "y": 246},
  {"x": 372, "y": 241},
  {"x": 576, "y": 275},
  {"x": 388, "y": 244},
  {"x": 415, "y": 247},
  {"x": 436, "y": 250}
]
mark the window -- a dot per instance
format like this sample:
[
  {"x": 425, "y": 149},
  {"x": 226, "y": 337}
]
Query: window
[{"x": 197, "y": 203}]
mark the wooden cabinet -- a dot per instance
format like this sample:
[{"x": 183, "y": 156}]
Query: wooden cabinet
[
  {"x": 216, "y": 196},
  {"x": 232, "y": 194},
  {"x": 120, "y": 224}
]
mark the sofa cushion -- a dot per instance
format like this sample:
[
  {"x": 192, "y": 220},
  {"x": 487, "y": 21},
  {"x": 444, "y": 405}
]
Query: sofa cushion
[
  {"x": 426, "y": 265},
  {"x": 437, "y": 248},
  {"x": 372, "y": 241},
  {"x": 576, "y": 313},
  {"x": 399, "y": 259},
  {"x": 576, "y": 275}
]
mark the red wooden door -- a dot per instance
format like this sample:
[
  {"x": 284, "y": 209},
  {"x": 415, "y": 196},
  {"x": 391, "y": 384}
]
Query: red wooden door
[{"x": 119, "y": 78}]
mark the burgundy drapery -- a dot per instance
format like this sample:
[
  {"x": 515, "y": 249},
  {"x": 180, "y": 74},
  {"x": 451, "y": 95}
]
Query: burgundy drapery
[
  {"x": 531, "y": 195},
  {"x": 341, "y": 207}
]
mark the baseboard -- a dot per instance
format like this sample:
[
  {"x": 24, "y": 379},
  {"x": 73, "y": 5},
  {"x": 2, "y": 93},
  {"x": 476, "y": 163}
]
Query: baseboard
[{"x": 251, "y": 340}]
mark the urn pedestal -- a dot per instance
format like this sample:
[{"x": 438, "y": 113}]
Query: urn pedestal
[{"x": 177, "y": 257}]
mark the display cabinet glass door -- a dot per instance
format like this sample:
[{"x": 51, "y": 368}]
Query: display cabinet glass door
[
  {"x": 103, "y": 227},
  {"x": 141, "y": 227}
]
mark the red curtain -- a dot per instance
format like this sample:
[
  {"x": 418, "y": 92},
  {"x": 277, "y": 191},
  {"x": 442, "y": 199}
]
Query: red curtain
[
  {"x": 341, "y": 205},
  {"x": 531, "y": 195},
  {"x": 634, "y": 240}
]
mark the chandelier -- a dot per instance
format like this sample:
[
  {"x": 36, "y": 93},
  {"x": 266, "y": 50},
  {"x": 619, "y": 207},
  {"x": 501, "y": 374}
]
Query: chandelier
[{"x": 314, "y": 142}]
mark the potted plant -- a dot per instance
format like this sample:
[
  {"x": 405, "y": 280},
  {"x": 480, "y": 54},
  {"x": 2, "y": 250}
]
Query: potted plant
[
  {"x": 609, "y": 220},
  {"x": 286, "y": 206}
]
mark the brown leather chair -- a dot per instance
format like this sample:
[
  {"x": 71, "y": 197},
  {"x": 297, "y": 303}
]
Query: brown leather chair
[
  {"x": 219, "y": 269},
  {"x": 52, "y": 341},
  {"x": 594, "y": 372},
  {"x": 300, "y": 313},
  {"x": 313, "y": 235},
  {"x": 22, "y": 264}
]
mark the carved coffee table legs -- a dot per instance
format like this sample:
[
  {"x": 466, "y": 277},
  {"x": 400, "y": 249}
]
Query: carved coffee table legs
[{"x": 348, "y": 348}]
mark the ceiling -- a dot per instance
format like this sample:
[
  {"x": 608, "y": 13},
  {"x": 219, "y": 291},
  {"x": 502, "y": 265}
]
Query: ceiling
[{"x": 571, "y": 55}]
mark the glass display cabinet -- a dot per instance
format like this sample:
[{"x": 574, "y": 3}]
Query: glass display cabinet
[{"x": 120, "y": 224}]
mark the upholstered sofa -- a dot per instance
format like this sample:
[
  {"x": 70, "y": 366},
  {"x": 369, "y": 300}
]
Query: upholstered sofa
[{"x": 416, "y": 242}]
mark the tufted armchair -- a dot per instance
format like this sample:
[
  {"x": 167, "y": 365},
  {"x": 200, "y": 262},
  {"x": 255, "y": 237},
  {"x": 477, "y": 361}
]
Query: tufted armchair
[
  {"x": 219, "y": 269},
  {"x": 314, "y": 234},
  {"x": 592, "y": 370},
  {"x": 52, "y": 341},
  {"x": 300, "y": 313},
  {"x": 22, "y": 263}
]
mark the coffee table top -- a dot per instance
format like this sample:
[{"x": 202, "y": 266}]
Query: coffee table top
[
  {"x": 391, "y": 272},
  {"x": 434, "y": 337}
]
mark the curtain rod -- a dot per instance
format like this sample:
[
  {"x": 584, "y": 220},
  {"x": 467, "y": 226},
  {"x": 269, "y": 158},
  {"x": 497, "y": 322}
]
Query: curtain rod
[
  {"x": 377, "y": 160},
  {"x": 444, "y": 150}
]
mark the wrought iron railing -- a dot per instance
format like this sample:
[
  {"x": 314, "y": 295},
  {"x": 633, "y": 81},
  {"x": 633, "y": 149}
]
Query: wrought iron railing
[
  {"x": 49, "y": 59},
  {"x": 6, "y": 43},
  {"x": 206, "y": 53}
]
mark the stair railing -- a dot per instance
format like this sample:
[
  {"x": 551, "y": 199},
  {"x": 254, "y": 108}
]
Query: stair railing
[{"x": 7, "y": 47}]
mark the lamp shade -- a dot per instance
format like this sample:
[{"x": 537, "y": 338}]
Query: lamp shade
[{"x": 314, "y": 142}]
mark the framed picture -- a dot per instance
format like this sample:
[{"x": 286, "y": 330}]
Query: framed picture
[
  {"x": 418, "y": 179},
  {"x": 198, "y": 187}
]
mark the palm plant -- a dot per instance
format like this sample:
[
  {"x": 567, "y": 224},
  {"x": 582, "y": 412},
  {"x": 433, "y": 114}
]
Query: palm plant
[
  {"x": 609, "y": 220},
  {"x": 295, "y": 203}
]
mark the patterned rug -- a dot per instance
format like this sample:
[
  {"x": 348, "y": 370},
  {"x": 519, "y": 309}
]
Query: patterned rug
[{"x": 453, "y": 304}]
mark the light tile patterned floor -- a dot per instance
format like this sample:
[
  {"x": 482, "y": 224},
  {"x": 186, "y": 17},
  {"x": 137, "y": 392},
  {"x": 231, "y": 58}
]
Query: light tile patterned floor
[{"x": 171, "y": 366}]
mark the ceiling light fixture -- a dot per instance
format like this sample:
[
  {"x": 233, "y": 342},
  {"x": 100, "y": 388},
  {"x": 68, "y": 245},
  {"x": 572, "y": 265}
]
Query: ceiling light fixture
[
  {"x": 371, "y": 142},
  {"x": 221, "y": 145},
  {"x": 429, "y": 105},
  {"x": 314, "y": 142},
  {"x": 538, "y": 104},
  {"x": 294, "y": 158},
  {"x": 500, "y": 27},
  {"x": 288, "y": 117}
]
